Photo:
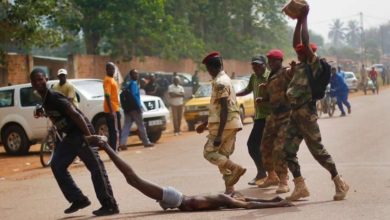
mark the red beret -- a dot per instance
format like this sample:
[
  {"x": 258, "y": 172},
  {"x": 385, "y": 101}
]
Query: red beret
[
  {"x": 210, "y": 56},
  {"x": 275, "y": 54},
  {"x": 299, "y": 47}
]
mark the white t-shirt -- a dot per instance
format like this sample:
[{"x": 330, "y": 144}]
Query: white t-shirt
[{"x": 175, "y": 101}]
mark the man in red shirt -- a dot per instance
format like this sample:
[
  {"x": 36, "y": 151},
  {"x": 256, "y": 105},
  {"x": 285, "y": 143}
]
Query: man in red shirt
[{"x": 373, "y": 74}]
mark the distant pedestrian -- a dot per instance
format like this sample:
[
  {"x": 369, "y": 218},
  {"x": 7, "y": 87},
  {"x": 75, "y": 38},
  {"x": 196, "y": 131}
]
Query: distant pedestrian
[
  {"x": 176, "y": 101},
  {"x": 303, "y": 123},
  {"x": 233, "y": 76},
  {"x": 151, "y": 87},
  {"x": 195, "y": 82},
  {"x": 339, "y": 88},
  {"x": 133, "y": 112},
  {"x": 384, "y": 75},
  {"x": 260, "y": 75},
  {"x": 340, "y": 72},
  {"x": 111, "y": 106},
  {"x": 223, "y": 123},
  {"x": 65, "y": 88},
  {"x": 373, "y": 75}
]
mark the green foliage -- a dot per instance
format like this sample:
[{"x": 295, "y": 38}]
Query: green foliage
[
  {"x": 25, "y": 24},
  {"x": 170, "y": 29}
]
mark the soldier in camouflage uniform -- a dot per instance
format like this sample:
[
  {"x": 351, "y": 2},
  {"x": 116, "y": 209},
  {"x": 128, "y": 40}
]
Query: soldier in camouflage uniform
[
  {"x": 276, "y": 123},
  {"x": 303, "y": 121},
  {"x": 223, "y": 123}
]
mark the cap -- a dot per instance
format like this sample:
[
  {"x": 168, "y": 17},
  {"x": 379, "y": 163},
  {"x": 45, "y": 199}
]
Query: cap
[
  {"x": 299, "y": 47},
  {"x": 210, "y": 57},
  {"x": 275, "y": 54},
  {"x": 62, "y": 71},
  {"x": 259, "y": 59}
]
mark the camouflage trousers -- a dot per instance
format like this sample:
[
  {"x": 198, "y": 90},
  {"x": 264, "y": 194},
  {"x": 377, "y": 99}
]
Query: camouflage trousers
[
  {"x": 219, "y": 155},
  {"x": 303, "y": 126},
  {"x": 272, "y": 143}
]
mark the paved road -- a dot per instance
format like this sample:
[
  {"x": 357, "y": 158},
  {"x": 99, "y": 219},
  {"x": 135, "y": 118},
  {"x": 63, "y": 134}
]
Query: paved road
[{"x": 358, "y": 143}]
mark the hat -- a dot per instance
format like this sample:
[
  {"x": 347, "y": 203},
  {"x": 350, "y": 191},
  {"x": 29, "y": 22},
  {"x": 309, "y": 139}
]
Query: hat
[
  {"x": 259, "y": 59},
  {"x": 299, "y": 48},
  {"x": 62, "y": 71},
  {"x": 275, "y": 54},
  {"x": 211, "y": 56}
]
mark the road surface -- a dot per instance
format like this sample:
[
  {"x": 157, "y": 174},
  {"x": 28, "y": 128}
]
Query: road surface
[{"x": 359, "y": 143}]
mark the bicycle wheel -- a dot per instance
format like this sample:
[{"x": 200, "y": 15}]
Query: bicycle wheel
[
  {"x": 47, "y": 151},
  {"x": 332, "y": 108}
]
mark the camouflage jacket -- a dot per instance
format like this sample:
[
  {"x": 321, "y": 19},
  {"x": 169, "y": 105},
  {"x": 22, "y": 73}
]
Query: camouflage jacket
[
  {"x": 299, "y": 91},
  {"x": 276, "y": 88}
]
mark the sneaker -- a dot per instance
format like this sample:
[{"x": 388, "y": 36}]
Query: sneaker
[
  {"x": 78, "y": 204},
  {"x": 149, "y": 145},
  {"x": 106, "y": 211},
  {"x": 349, "y": 110},
  {"x": 176, "y": 134},
  {"x": 343, "y": 115}
]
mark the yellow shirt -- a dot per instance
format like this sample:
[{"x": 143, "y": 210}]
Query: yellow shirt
[
  {"x": 67, "y": 89},
  {"x": 222, "y": 87},
  {"x": 111, "y": 90}
]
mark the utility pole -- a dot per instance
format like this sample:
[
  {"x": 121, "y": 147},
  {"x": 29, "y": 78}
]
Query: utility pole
[{"x": 362, "y": 41}]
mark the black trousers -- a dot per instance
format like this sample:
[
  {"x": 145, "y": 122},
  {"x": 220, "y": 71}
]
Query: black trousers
[
  {"x": 254, "y": 142},
  {"x": 114, "y": 130},
  {"x": 64, "y": 153}
]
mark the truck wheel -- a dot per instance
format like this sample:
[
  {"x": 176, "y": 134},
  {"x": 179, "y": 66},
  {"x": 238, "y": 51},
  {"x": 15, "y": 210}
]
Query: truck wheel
[
  {"x": 15, "y": 140},
  {"x": 191, "y": 126},
  {"x": 154, "y": 136}
]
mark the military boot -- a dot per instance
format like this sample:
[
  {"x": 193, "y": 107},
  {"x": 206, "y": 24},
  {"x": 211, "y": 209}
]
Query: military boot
[
  {"x": 283, "y": 186},
  {"x": 237, "y": 172},
  {"x": 300, "y": 190},
  {"x": 272, "y": 180},
  {"x": 341, "y": 188}
]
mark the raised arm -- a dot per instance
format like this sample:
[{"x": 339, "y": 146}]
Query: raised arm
[{"x": 305, "y": 35}]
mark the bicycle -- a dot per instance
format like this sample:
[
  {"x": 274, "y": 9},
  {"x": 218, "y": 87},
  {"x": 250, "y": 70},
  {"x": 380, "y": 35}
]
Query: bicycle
[
  {"x": 327, "y": 105},
  {"x": 48, "y": 144}
]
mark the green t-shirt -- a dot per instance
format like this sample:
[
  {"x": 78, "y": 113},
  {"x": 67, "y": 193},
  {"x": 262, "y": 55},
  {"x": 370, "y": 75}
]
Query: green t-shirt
[{"x": 254, "y": 81}]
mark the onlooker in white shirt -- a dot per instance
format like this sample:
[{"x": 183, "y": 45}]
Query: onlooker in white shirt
[{"x": 176, "y": 94}]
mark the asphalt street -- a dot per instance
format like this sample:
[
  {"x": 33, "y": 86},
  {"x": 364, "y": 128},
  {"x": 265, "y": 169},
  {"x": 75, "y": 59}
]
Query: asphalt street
[{"x": 359, "y": 143}]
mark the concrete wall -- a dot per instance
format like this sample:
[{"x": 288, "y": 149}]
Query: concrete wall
[{"x": 90, "y": 66}]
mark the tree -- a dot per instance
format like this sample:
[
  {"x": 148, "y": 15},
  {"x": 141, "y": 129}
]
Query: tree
[
  {"x": 337, "y": 33},
  {"x": 25, "y": 23},
  {"x": 352, "y": 35}
]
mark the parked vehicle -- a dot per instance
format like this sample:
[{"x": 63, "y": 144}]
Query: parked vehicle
[
  {"x": 351, "y": 81},
  {"x": 197, "y": 109},
  {"x": 19, "y": 129}
]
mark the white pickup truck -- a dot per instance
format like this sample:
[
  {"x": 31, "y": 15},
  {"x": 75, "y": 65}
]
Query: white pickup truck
[{"x": 19, "y": 129}]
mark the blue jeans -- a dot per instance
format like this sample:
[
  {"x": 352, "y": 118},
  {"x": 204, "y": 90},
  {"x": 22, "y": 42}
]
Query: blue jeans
[
  {"x": 134, "y": 116},
  {"x": 342, "y": 98},
  {"x": 114, "y": 129},
  {"x": 64, "y": 153}
]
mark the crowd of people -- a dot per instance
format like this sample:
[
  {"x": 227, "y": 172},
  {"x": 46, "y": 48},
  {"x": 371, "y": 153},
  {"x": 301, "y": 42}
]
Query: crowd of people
[{"x": 285, "y": 116}]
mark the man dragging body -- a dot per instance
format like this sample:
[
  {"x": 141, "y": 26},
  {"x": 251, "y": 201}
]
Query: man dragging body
[{"x": 170, "y": 198}]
